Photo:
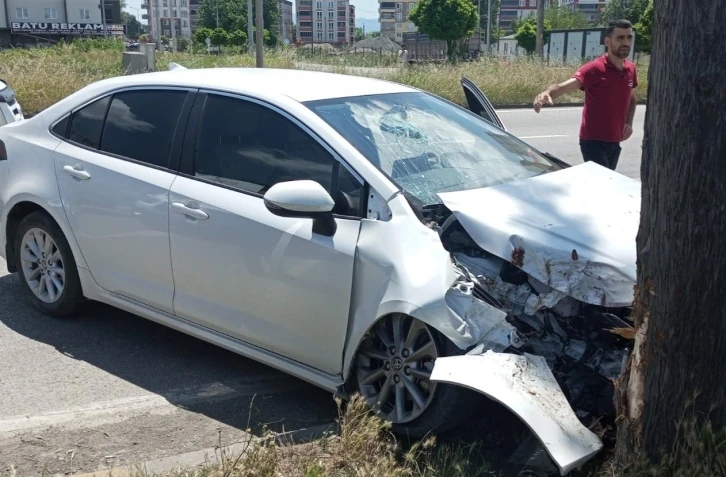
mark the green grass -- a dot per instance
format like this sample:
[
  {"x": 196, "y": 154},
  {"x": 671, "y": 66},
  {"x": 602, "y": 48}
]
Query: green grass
[{"x": 43, "y": 76}]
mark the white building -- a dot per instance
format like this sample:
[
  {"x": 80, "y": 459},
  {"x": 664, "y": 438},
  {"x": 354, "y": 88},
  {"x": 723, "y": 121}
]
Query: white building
[
  {"x": 592, "y": 9},
  {"x": 164, "y": 13},
  {"x": 326, "y": 21},
  {"x": 30, "y": 22},
  {"x": 393, "y": 17}
]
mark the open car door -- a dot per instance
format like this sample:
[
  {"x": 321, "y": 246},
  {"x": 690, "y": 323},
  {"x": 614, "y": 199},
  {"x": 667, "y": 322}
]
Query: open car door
[{"x": 479, "y": 104}]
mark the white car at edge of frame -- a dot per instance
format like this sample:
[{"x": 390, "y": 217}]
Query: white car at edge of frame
[{"x": 356, "y": 233}]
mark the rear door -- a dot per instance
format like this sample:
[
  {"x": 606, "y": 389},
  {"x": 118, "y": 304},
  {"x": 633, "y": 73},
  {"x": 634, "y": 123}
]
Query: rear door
[
  {"x": 115, "y": 168},
  {"x": 478, "y": 103}
]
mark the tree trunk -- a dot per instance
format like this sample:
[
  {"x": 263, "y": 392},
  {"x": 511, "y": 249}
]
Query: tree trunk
[{"x": 679, "y": 311}]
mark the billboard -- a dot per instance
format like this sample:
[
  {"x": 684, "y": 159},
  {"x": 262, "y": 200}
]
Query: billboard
[
  {"x": 578, "y": 45},
  {"x": 65, "y": 29}
]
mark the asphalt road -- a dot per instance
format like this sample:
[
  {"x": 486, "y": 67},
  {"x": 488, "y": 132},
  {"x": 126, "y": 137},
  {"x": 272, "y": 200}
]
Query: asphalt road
[
  {"x": 555, "y": 130},
  {"x": 111, "y": 388}
]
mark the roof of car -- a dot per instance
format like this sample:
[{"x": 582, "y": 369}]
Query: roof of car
[{"x": 300, "y": 85}]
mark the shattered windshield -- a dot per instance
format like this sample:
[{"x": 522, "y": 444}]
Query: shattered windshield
[{"x": 427, "y": 145}]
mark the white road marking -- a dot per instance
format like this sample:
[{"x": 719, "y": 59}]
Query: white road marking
[
  {"x": 542, "y": 137},
  {"x": 117, "y": 410}
]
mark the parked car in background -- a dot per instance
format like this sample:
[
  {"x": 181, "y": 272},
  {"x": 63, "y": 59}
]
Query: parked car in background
[
  {"x": 10, "y": 110},
  {"x": 362, "y": 235}
]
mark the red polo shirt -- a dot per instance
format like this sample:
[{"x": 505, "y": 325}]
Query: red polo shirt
[{"x": 607, "y": 98}]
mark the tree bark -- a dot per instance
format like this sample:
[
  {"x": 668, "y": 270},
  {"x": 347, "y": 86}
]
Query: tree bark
[{"x": 679, "y": 310}]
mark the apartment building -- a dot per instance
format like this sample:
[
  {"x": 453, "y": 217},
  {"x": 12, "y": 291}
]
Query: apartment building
[
  {"x": 163, "y": 14},
  {"x": 285, "y": 8},
  {"x": 516, "y": 9},
  {"x": 592, "y": 9},
  {"x": 393, "y": 17},
  {"x": 326, "y": 21},
  {"x": 29, "y": 22}
]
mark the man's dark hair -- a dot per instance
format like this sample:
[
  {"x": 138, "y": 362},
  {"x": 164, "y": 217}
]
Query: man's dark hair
[{"x": 625, "y": 24}]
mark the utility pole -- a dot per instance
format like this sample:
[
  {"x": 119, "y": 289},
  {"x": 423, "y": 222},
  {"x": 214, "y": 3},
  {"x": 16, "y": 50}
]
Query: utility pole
[
  {"x": 260, "y": 34},
  {"x": 489, "y": 27},
  {"x": 103, "y": 18},
  {"x": 540, "y": 29},
  {"x": 250, "y": 28},
  {"x": 216, "y": 8}
]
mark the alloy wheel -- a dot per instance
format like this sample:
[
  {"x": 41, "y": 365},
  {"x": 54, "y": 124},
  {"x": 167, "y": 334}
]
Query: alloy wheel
[
  {"x": 42, "y": 265},
  {"x": 393, "y": 368}
]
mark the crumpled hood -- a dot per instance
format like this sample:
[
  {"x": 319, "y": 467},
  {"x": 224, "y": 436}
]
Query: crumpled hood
[{"x": 573, "y": 229}]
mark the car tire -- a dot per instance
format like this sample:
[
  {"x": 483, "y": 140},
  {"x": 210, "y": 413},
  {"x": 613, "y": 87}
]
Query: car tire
[
  {"x": 52, "y": 278},
  {"x": 448, "y": 407}
]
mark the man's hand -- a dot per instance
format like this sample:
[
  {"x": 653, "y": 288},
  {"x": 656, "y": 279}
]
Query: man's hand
[
  {"x": 541, "y": 99},
  {"x": 627, "y": 131}
]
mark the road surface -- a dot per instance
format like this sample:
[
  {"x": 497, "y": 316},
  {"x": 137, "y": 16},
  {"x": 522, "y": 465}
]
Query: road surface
[
  {"x": 111, "y": 388},
  {"x": 555, "y": 130}
]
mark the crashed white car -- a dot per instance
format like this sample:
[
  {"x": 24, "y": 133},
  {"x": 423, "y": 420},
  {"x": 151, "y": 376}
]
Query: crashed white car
[{"x": 357, "y": 233}]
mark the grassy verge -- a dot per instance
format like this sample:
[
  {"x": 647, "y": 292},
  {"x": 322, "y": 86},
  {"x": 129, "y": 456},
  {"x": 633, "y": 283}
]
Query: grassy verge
[
  {"x": 44, "y": 76},
  {"x": 364, "y": 447}
]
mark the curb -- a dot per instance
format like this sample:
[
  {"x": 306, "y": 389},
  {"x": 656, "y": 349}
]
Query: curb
[{"x": 208, "y": 456}]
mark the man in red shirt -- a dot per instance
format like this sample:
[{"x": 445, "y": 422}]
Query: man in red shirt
[{"x": 609, "y": 84}]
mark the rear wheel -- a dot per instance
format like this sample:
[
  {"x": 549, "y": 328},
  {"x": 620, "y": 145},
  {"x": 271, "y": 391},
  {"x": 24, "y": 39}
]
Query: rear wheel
[
  {"x": 47, "y": 267},
  {"x": 393, "y": 372}
]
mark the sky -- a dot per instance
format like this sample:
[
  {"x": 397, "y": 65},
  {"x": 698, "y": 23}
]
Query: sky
[{"x": 363, "y": 8}]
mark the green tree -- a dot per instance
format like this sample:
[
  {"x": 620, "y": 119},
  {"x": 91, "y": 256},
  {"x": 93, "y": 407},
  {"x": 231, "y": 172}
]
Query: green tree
[
  {"x": 644, "y": 30},
  {"x": 133, "y": 26},
  {"x": 220, "y": 37},
  {"x": 526, "y": 34},
  {"x": 233, "y": 16},
  {"x": 238, "y": 38},
  {"x": 201, "y": 35},
  {"x": 374, "y": 34},
  {"x": 359, "y": 34},
  {"x": 564, "y": 18},
  {"x": 447, "y": 20},
  {"x": 630, "y": 10}
]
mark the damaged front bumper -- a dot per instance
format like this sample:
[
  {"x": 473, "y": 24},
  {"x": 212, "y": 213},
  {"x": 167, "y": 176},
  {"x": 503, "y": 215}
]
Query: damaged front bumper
[{"x": 525, "y": 385}]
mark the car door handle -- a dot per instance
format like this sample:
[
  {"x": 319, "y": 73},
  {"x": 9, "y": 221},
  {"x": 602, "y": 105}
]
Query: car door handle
[
  {"x": 194, "y": 213},
  {"x": 77, "y": 172}
]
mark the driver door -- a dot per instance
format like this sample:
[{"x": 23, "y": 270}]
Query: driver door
[
  {"x": 478, "y": 103},
  {"x": 270, "y": 281}
]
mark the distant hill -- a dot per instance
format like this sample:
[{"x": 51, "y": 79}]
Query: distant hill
[{"x": 371, "y": 24}]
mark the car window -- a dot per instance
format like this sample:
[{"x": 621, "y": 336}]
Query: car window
[
  {"x": 87, "y": 123},
  {"x": 141, "y": 124},
  {"x": 61, "y": 128},
  {"x": 251, "y": 147}
]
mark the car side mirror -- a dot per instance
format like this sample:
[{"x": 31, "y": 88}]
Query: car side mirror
[{"x": 303, "y": 199}]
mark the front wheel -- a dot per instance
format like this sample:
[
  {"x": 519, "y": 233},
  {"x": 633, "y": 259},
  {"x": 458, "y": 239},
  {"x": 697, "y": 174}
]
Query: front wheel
[
  {"x": 393, "y": 372},
  {"x": 47, "y": 267}
]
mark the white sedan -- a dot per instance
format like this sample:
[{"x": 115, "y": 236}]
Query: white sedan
[{"x": 359, "y": 234}]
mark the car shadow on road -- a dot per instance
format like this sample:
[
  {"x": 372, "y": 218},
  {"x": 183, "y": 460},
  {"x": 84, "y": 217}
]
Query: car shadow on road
[{"x": 171, "y": 364}]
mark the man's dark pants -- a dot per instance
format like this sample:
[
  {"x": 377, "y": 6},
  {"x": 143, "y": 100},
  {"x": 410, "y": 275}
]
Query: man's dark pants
[{"x": 604, "y": 153}]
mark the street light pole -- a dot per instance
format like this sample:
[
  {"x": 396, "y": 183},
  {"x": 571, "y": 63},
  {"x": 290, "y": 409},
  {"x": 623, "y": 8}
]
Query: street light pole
[
  {"x": 260, "y": 34},
  {"x": 489, "y": 26},
  {"x": 250, "y": 28},
  {"x": 103, "y": 18},
  {"x": 478, "y": 23}
]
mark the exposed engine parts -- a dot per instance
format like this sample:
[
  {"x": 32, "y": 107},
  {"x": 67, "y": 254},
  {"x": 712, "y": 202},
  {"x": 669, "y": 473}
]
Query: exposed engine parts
[{"x": 573, "y": 337}]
